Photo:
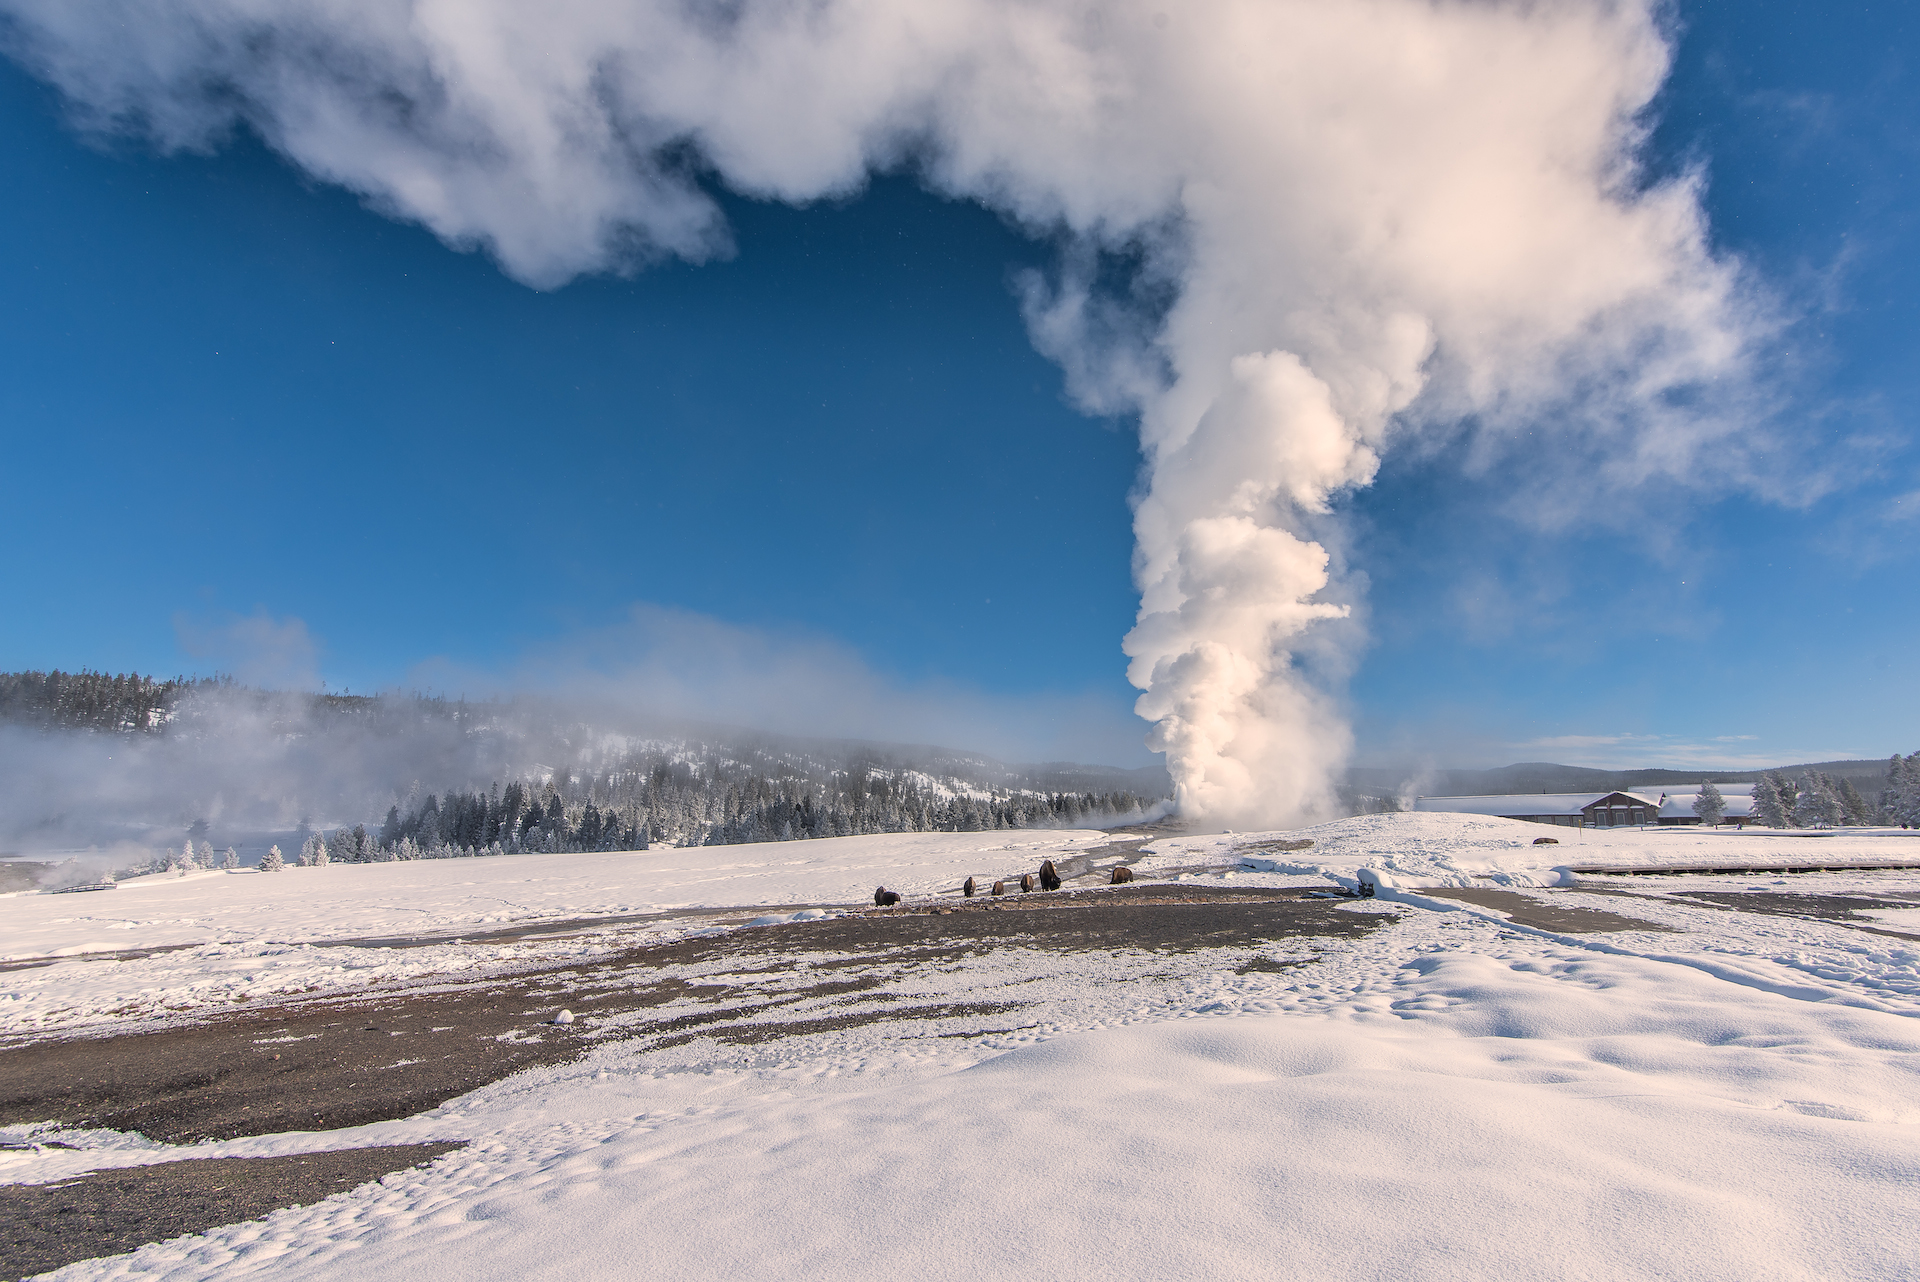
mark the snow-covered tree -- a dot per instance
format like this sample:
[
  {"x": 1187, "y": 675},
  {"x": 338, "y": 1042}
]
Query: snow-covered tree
[
  {"x": 189, "y": 859},
  {"x": 1853, "y": 806},
  {"x": 1769, "y": 807},
  {"x": 272, "y": 860},
  {"x": 1709, "y": 805},
  {"x": 1818, "y": 805},
  {"x": 230, "y": 860},
  {"x": 1890, "y": 791},
  {"x": 1900, "y": 799}
]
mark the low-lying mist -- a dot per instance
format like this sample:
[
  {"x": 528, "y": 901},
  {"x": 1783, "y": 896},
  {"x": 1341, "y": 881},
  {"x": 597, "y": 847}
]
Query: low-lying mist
[{"x": 246, "y": 767}]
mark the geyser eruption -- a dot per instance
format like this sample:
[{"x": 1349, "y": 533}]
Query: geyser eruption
[{"x": 1371, "y": 217}]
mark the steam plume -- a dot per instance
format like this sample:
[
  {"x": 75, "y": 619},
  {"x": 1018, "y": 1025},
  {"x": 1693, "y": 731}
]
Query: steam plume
[{"x": 1371, "y": 217}]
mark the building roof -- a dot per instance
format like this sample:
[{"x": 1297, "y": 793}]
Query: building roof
[
  {"x": 1679, "y": 805},
  {"x": 1528, "y": 803}
]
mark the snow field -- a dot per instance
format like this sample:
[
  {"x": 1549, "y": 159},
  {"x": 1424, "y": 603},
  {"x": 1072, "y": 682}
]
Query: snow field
[
  {"x": 353, "y": 901},
  {"x": 251, "y": 936},
  {"x": 1429, "y": 850},
  {"x": 1443, "y": 1099},
  {"x": 1451, "y": 1096}
]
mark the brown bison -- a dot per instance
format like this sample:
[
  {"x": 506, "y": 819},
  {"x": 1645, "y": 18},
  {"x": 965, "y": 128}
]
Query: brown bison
[
  {"x": 967, "y": 889},
  {"x": 1026, "y": 883},
  {"x": 1049, "y": 879},
  {"x": 1121, "y": 876},
  {"x": 884, "y": 898}
]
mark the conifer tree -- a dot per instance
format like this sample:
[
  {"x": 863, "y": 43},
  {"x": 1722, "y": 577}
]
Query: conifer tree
[
  {"x": 272, "y": 861},
  {"x": 1890, "y": 791},
  {"x": 1709, "y": 805},
  {"x": 1817, "y": 806},
  {"x": 1789, "y": 795},
  {"x": 1768, "y": 806},
  {"x": 1853, "y": 806},
  {"x": 1900, "y": 799}
]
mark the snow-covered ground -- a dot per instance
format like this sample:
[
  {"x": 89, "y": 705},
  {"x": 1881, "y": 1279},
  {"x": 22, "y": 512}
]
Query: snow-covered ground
[
  {"x": 1417, "y": 850},
  {"x": 362, "y": 901},
  {"x": 1735, "y": 1096},
  {"x": 246, "y": 936}
]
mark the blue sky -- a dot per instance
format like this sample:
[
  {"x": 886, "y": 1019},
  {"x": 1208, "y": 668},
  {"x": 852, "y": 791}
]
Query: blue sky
[{"x": 254, "y": 426}]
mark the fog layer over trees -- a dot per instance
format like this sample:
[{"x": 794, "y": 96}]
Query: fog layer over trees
[{"x": 97, "y": 760}]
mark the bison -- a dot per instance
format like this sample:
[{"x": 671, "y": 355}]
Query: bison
[
  {"x": 1121, "y": 876},
  {"x": 1049, "y": 878},
  {"x": 967, "y": 889},
  {"x": 884, "y": 898}
]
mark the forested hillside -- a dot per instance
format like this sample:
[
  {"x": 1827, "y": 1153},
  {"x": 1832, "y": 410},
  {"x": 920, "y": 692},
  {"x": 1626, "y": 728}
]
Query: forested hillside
[
  {"x": 713, "y": 803},
  {"x": 124, "y": 702},
  {"x": 89, "y": 759}
]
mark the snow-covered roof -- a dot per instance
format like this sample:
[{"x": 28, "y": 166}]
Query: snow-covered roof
[
  {"x": 1526, "y": 803},
  {"x": 1739, "y": 805},
  {"x": 1691, "y": 789}
]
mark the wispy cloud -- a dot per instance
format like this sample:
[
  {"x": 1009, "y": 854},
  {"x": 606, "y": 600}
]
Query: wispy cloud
[
  {"x": 255, "y": 649},
  {"x": 665, "y": 663},
  {"x": 1582, "y": 742}
]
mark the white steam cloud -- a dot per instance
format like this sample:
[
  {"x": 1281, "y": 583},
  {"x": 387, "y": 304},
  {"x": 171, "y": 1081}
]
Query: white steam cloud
[{"x": 1359, "y": 218}]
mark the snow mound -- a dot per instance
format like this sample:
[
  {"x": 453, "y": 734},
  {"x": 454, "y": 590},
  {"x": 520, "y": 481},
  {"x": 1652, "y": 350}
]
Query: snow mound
[{"x": 781, "y": 919}]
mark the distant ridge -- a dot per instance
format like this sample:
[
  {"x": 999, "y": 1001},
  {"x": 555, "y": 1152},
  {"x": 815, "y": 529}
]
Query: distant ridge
[{"x": 1546, "y": 776}]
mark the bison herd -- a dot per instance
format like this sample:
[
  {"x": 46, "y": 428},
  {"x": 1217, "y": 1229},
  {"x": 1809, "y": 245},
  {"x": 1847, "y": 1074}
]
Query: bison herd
[{"x": 1048, "y": 878}]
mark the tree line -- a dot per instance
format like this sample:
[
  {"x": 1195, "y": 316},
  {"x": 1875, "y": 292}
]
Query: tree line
[
  {"x": 676, "y": 804},
  {"x": 1818, "y": 800},
  {"x": 123, "y": 702}
]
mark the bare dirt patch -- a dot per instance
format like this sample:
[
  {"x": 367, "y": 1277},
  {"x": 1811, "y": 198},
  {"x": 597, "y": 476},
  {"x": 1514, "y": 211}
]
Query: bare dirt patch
[
  {"x": 1525, "y": 910},
  {"x": 327, "y": 1063},
  {"x": 1843, "y": 910},
  {"x": 45, "y": 1226},
  {"x": 331, "y": 1062}
]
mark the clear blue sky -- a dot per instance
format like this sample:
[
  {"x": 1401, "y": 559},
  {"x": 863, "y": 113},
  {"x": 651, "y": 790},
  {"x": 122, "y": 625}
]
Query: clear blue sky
[{"x": 228, "y": 391}]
